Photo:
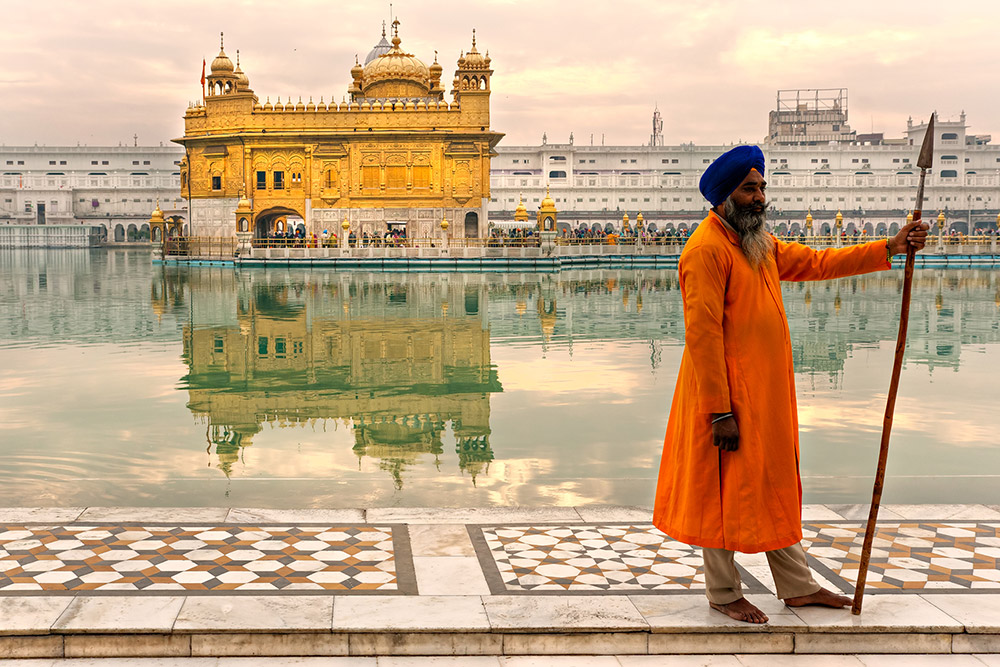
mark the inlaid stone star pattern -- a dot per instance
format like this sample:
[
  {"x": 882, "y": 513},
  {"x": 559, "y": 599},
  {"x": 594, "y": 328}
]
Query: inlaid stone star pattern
[
  {"x": 914, "y": 557},
  {"x": 190, "y": 559},
  {"x": 589, "y": 558}
]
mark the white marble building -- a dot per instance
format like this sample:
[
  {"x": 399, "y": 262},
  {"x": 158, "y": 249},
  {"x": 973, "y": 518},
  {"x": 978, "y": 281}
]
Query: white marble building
[
  {"x": 114, "y": 188},
  {"x": 871, "y": 183}
]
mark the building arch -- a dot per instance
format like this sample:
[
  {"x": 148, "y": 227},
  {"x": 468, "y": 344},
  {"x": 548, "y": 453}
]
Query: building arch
[
  {"x": 132, "y": 232},
  {"x": 119, "y": 233},
  {"x": 471, "y": 225},
  {"x": 266, "y": 222}
]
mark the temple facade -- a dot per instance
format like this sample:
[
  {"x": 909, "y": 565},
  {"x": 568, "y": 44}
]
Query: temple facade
[{"x": 395, "y": 153}]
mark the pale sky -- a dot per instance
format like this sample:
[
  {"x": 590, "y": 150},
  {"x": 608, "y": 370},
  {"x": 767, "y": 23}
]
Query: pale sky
[{"x": 99, "y": 71}]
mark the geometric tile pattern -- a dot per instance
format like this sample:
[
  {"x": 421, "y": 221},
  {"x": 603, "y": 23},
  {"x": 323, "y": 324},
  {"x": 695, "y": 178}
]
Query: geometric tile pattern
[
  {"x": 199, "y": 559},
  {"x": 605, "y": 558},
  {"x": 909, "y": 557}
]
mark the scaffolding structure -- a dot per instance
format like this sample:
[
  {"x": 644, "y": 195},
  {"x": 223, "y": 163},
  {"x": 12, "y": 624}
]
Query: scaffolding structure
[{"x": 809, "y": 117}]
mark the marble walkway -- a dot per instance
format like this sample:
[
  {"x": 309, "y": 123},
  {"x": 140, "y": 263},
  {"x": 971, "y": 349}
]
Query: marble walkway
[{"x": 218, "y": 583}]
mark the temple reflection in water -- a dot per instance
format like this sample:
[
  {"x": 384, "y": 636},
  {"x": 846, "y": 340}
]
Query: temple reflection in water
[
  {"x": 404, "y": 360},
  {"x": 397, "y": 363}
]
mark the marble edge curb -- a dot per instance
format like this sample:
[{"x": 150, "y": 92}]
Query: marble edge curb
[
  {"x": 496, "y": 615},
  {"x": 461, "y": 515}
]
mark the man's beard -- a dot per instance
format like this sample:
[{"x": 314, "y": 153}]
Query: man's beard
[{"x": 748, "y": 221}]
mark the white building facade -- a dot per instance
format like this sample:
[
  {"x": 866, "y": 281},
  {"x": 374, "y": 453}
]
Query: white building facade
[
  {"x": 873, "y": 184},
  {"x": 112, "y": 188}
]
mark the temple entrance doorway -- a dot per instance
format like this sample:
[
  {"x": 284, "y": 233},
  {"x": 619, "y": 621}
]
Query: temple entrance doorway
[{"x": 471, "y": 225}]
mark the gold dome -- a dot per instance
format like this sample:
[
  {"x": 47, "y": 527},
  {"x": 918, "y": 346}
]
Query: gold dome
[
  {"x": 157, "y": 215},
  {"x": 243, "y": 206},
  {"x": 222, "y": 64},
  {"x": 243, "y": 83},
  {"x": 521, "y": 212},
  {"x": 395, "y": 73},
  {"x": 474, "y": 59},
  {"x": 548, "y": 204}
]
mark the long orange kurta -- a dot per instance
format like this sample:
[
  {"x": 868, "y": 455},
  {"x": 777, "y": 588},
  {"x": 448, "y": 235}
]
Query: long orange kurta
[{"x": 738, "y": 357}]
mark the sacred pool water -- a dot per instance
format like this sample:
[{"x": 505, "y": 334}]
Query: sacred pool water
[{"x": 123, "y": 383}]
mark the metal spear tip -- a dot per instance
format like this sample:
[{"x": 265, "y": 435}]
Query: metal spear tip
[{"x": 926, "y": 157}]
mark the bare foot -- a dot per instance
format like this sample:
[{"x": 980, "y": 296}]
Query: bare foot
[
  {"x": 822, "y": 597},
  {"x": 741, "y": 610}
]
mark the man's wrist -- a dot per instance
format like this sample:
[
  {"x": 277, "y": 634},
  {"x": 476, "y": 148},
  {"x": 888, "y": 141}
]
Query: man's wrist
[{"x": 720, "y": 416}]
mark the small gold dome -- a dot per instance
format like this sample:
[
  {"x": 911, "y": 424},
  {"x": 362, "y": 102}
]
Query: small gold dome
[
  {"x": 222, "y": 64},
  {"x": 639, "y": 219},
  {"x": 909, "y": 217},
  {"x": 809, "y": 218},
  {"x": 548, "y": 204},
  {"x": 243, "y": 83},
  {"x": 940, "y": 217},
  {"x": 840, "y": 217},
  {"x": 521, "y": 212},
  {"x": 243, "y": 206},
  {"x": 345, "y": 225},
  {"x": 473, "y": 59},
  {"x": 157, "y": 215},
  {"x": 444, "y": 223}
]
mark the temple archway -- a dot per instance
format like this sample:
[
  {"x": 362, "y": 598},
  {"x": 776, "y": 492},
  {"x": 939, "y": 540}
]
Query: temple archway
[
  {"x": 267, "y": 221},
  {"x": 471, "y": 225}
]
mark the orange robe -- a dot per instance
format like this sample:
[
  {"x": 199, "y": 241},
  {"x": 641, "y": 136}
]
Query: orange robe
[{"x": 738, "y": 357}]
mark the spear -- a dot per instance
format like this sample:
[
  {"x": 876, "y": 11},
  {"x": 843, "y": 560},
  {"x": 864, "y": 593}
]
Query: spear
[{"x": 924, "y": 161}]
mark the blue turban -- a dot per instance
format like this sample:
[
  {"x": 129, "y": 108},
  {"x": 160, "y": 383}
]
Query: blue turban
[{"x": 727, "y": 172}]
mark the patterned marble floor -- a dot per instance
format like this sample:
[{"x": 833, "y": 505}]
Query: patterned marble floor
[
  {"x": 908, "y": 557},
  {"x": 918, "y": 556},
  {"x": 204, "y": 559},
  {"x": 590, "y": 559},
  {"x": 515, "y": 558}
]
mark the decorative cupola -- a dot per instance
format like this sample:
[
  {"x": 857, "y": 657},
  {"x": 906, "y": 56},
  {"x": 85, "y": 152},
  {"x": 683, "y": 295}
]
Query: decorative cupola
[
  {"x": 521, "y": 212},
  {"x": 356, "y": 73},
  {"x": 547, "y": 213},
  {"x": 223, "y": 80},
  {"x": 242, "y": 82},
  {"x": 473, "y": 73},
  {"x": 437, "y": 90}
]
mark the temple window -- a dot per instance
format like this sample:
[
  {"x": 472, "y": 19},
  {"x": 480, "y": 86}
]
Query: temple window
[
  {"x": 421, "y": 177},
  {"x": 395, "y": 177},
  {"x": 217, "y": 182},
  {"x": 261, "y": 180},
  {"x": 279, "y": 180},
  {"x": 370, "y": 177}
]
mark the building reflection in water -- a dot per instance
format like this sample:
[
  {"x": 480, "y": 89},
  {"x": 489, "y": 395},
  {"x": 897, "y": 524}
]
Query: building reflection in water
[
  {"x": 404, "y": 360},
  {"x": 397, "y": 363}
]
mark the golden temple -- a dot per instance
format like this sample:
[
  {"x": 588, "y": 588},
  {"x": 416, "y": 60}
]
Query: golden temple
[{"x": 393, "y": 154}]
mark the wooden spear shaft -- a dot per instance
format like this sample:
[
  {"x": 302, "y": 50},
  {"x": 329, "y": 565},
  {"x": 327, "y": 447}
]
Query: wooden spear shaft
[{"x": 924, "y": 162}]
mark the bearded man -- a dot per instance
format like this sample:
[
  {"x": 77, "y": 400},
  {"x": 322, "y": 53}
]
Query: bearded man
[{"x": 729, "y": 476}]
